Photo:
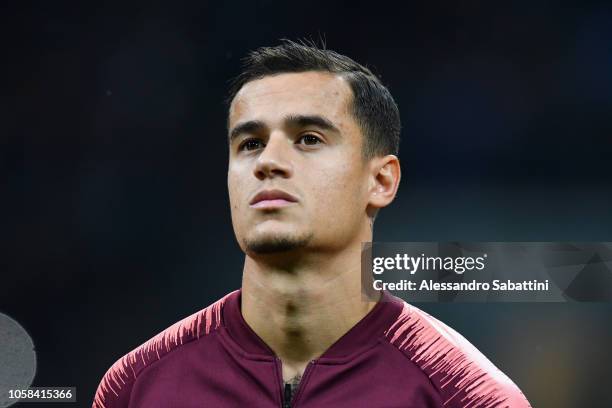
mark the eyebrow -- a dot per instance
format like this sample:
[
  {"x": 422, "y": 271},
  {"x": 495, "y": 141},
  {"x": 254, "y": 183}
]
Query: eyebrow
[
  {"x": 251, "y": 126},
  {"x": 254, "y": 126},
  {"x": 310, "y": 120}
]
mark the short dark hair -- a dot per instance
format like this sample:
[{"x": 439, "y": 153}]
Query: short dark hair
[{"x": 373, "y": 106}]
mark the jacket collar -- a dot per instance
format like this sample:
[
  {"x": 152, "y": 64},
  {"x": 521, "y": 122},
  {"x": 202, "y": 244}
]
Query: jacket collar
[{"x": 362, "y": 336}]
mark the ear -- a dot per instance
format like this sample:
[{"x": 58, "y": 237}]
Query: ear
[{"x": 385, "y": 174}]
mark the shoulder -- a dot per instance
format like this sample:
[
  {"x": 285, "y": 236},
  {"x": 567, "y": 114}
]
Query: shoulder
[
  {"x": 114, "y": 388},
  {"x": 461, "y": 373}
]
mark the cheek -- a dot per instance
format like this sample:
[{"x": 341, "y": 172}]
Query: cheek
[
  {"x": 236, "y": 190},
  {"x": 236, "y": 198},
  {"x": 231, "y": 189},
  {"x": 338, "y": 189}
]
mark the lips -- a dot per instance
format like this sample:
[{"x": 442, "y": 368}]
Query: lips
[{"x": 272, "y": 199}]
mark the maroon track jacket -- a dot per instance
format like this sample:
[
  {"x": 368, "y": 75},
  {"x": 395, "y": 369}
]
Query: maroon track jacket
[{"x": 397, "y": 356}]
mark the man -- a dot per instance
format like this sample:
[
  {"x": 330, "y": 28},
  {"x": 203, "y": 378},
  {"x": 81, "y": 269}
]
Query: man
[{"x": 313, "y": 141}]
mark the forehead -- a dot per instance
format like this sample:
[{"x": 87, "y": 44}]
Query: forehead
[{"x": 309, "y": 93}]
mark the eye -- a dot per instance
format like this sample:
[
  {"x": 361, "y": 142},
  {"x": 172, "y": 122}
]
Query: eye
[
  {"x": 309, "y": 139},
  {"x": 251, "y": 144}
]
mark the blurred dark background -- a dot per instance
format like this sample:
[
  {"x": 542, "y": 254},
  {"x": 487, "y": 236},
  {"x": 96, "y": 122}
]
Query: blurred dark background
[{"x": 115, "y": 216}]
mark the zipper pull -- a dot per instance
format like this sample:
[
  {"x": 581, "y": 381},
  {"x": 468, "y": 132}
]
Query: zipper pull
[{"x": 287, "y": 399}]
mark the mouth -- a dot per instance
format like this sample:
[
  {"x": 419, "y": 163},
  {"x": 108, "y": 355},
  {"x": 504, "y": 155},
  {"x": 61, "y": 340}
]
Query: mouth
[{"x": 270, "y": 199}]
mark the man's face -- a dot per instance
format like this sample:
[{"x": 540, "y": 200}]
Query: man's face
[{"x": 296, "y": 177}]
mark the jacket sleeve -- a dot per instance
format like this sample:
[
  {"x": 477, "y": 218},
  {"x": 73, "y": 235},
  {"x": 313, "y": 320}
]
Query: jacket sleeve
[
  {"x": 463, "y": 376},
  {"x": 115, "y": 387}
]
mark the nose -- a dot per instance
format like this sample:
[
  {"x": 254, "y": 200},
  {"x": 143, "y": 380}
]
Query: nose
[{"x": 274, "y": 160}]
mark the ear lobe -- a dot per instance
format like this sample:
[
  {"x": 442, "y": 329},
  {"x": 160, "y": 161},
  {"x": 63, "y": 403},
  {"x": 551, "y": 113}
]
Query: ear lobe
[{"x": 386, "y": 177}]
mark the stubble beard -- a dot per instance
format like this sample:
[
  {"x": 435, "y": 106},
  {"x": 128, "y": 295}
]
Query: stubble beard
[{"x": 276, "y": 244}]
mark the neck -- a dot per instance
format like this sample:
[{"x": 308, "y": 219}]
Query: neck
[{"x": 299, "y": 311}]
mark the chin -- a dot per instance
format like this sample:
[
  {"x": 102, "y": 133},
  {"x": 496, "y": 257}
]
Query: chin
[{"x": 270, "y": 243}]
